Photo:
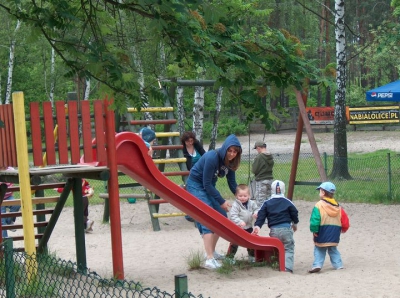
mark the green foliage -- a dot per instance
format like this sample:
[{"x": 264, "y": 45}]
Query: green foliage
[
  {"x": 355, "y": 96},
  {"x": 225, "y": 128},
  {"x": 96, "y": 41}
]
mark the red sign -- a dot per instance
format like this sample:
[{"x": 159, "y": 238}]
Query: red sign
[{"x": 321, "y": 115}]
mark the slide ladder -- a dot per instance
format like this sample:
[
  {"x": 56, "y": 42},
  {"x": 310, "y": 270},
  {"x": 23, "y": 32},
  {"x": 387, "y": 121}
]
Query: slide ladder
[{"x": 168, "y": 155}]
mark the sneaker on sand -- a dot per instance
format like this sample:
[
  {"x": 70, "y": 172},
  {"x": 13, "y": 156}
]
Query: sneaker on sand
[
  {"x": 89, "y": 226},
  {"x": 216, "y": 255},
  {"x": 251, "y": 259},
  {"x": 212, "y": 264}
]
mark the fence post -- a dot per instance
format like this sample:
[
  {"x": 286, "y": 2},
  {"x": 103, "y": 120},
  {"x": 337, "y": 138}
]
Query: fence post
[
  {"x": 326, "y": 163},
  {"x": 181, "y": 286},
  {"x": 9, "y": 268},
  {"x": 389, "y": 176}
]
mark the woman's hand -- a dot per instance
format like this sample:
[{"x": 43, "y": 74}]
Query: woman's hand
[{"x": 226, "y": 206}]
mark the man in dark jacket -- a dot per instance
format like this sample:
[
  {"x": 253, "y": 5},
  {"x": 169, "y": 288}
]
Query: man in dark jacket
[{"x": 262, "y": 170}]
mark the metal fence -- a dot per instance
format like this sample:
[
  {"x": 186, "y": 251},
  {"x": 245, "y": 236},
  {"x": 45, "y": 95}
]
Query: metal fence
[
  {"x": 374, "y": 177},
  {"x": 22, "y": 275}
]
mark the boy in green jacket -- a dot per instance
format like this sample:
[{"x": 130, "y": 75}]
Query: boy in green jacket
[{"x": 328, "y": 220}]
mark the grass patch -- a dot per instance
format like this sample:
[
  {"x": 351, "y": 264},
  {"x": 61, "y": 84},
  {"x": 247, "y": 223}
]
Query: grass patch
[
  {"x": 194, "y": 259},
  {"x": 228, "y": 267}
]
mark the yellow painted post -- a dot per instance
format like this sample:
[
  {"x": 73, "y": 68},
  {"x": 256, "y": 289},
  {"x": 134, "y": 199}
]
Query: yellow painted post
[
  {"x": 151, "y": 109},
  {"x": 24, "y": 183},
  {"x": 170, "y": 160},
  {"x": 167, "y": 134}
]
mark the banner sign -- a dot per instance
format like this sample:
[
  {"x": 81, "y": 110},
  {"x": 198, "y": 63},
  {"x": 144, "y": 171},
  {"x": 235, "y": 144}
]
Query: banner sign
[
  {"x": 374, "y": 115},
  {"x": 321, "y": 115}
]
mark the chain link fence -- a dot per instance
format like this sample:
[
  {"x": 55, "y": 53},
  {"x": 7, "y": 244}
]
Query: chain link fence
[
  {"x": 373, "y": 177},
  {"x": 22, "y": 275}
]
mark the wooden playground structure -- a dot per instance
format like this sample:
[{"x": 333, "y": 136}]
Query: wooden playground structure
[
  {"x": 64, "y": 151},
  {"x": 63, "y": 158}
]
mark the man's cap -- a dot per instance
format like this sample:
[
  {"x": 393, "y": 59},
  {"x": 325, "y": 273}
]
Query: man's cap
[
  {"x": 277, "y": 189},
  {"x": 328, "y": 186},
  {"x": 147, "y": 134},
  {"x": 259, "y": 144}
]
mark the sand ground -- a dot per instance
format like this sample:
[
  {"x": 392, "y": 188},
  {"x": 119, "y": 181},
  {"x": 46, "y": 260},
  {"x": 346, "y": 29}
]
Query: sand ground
[{"x": 369, "y": 248}]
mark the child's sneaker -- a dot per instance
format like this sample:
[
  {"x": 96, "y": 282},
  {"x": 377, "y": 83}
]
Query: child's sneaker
[
  {"x": 216, "y": 255},
  {"x": 89, "y": 226},
  {"x": 212, "y": 264}
]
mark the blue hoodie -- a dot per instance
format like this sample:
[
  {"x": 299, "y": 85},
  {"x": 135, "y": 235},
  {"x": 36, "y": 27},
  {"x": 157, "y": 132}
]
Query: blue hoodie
[{"x": 211, "y": 166}]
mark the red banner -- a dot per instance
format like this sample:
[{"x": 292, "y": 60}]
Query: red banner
[{"x": 321, "y": 115}]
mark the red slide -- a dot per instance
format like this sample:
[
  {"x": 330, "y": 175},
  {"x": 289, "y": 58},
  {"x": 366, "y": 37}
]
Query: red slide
[{"x": 132, "y": 159}]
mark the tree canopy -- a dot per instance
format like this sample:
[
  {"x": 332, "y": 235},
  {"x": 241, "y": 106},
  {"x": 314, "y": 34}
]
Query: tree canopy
[{"x": 227, "y": 38}]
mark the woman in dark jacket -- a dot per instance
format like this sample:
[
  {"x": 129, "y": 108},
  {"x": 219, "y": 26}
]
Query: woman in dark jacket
[{"x": 192, "y": 149}]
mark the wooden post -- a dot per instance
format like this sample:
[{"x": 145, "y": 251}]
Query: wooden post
[
  {"x": 113, "y": 191},
  {"x": 24, "y": 181},
  {"x": 311, "y": 138}
]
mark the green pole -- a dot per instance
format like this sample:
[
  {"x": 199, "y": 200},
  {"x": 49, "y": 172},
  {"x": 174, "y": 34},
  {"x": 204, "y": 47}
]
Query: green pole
[
  {"x": 389, "y": 176},
  {"x": 326, "y": 163},
  {"x": 9, "y": 264},
  {"x": 181, "y": 286},
  {"x": 106, "y": 213},
  {"x": 79, "y": 226}
]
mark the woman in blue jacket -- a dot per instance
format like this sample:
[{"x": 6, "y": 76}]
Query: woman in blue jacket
[{"x": 214, "y": 164}]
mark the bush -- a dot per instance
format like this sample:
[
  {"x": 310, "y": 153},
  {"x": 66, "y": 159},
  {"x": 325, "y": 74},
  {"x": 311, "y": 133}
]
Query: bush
[{"x": 226, "y": 127}]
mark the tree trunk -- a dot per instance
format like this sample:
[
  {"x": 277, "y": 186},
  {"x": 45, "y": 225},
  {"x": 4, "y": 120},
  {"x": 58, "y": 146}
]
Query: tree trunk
[
  {"x": 198, "y": 112},
  {"x": 52, "y": 76},
  {"x": 11, "y": 63},
  {"x": 87, "y": 89},
  {"x": 340, "y": 168},
  {"x": 180, "y": 109},
  {"x": 214, "y": 132},
  {"x": 139, "y": 66}
]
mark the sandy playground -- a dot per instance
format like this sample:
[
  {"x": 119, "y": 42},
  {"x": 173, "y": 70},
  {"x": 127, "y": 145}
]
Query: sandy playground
[{"x": 369, "y": 248}]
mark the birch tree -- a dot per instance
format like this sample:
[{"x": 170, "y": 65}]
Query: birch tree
[
  {"x": 140, "y": 79},
  {"x": 87, "y": 89},
  {"x": 340, "y": 162},
  {"x": 180, "y": 109},
  {"x": 214, "y": 131},
  {"x": 11, "y": 62},
  {"x": 198, "y": 112},
  {"x": 52, "y": 76}
]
